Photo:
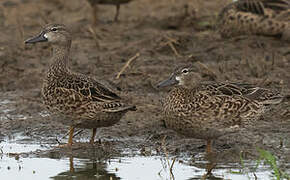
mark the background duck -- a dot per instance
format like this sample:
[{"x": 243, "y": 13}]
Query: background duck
[
  {"x": 81, "y": 101},
  {"x": 208, "y": 110},
  {"x": 117, "y": 3},
  {"x": 261, "y": 17}
]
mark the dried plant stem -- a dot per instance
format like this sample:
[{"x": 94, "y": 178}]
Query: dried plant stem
[
  {"x": 95, "y": 36},
  {"x": 127, "y": 65},
  {"x": 210, "y": 72},
  {"x": 167, "y": 159},
  {"x": 171, "y": 43},
  {"x": 80, "y": 131},
  {"x": 173, "y": 49}
]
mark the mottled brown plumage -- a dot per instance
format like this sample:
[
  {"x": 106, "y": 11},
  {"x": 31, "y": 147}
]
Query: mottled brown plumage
[
  {"x": 82, "y": 101},
  {"x": 260, "y": 17},
  {"x": 117, "y": 3},
  {"x": 208, "y": 110}
]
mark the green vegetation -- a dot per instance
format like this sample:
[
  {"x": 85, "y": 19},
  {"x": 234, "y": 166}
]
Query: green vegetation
[
  {"x": 271, "y": 160},
  {"x": 267, "y": 158}
]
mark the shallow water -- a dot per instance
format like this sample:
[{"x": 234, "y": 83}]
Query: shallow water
[
  {"x": 15, "y": 167},
  {"x": 16, "y": 163}
]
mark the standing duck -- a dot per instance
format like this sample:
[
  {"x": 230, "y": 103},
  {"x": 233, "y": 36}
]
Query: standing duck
[
  {"x": 208, "y": 110},
  {"x": 117, "y": 3},
  {"x": 81, "y": 101},
  {"x": 260, "y": 17}
]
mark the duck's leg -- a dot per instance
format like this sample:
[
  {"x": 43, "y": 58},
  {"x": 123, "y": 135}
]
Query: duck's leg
[
  {"x": 70, "y": 138},
  {"x": 71, "y": 164},
  {"x": 209, "y": 167},
  {"x": 71, "y": 134},
  {"x": 210, "y": 156},
  {"x": 117, "y": 12},
  {"x": 208, "y": 146},
  {"x": 94, "y": 14},
  {"x": 93, "y": 136}
]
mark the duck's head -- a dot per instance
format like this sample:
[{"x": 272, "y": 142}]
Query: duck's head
[
  {"x": 56, "y": 34},
  {"x": 182, "y": 76}
]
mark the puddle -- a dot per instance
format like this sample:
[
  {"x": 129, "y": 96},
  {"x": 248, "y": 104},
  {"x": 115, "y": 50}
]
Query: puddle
[
  {"x": 30, "y": 168},
  {"x": 124, "y": 168},
  {"x": 18, "y": 143},
  {"x": 137, "y": 167},
  {"x": 14, "y": 166}
]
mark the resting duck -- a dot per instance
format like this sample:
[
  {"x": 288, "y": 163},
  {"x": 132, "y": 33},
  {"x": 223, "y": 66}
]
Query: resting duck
[
  {"x": 260, "y": 17},
  {"x": 208, "y": 110}
]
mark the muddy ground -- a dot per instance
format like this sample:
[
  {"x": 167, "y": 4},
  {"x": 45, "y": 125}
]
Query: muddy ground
[{"x": 166, "y": 33}]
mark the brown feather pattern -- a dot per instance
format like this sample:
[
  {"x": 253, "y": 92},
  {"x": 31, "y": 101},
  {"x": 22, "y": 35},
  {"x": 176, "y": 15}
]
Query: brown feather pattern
[
  {"x": 81, "y": 100},
  {"x": 260, "y": 17},
  {"x": 208, "y": 110}
]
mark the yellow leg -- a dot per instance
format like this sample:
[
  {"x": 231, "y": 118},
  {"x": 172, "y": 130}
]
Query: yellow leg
[
  {"x": 209, "y": 167},
  {"x": 71, "y": 164},
  {"x": 210, "y": 157},
  {"x": 92, "y": 141},
  {"x": 71, "y": 134},
  {"x": 208, "y": 146},
  {"x": 70, "y": 139}
]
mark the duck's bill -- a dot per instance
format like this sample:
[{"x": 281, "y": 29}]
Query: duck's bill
[
  {"x": 40, "y": 38},
  {"x": 168, "y": 82}
]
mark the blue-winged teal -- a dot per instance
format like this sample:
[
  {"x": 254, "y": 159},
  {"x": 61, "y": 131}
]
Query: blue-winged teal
[
  {"x": 81, "y": 100},
  {"x": 117, "y": 3},
  {"x": 260, "y": 17},
  {"x": 208, "y": 110}
]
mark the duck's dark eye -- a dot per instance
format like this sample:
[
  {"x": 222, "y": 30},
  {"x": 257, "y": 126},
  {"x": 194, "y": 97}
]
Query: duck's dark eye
[
  {"x": 53, "y": 29},
  {"x": 184, "y": 71}
]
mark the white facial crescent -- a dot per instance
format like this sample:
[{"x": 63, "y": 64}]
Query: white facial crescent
[{"x": 180, "y": 82}]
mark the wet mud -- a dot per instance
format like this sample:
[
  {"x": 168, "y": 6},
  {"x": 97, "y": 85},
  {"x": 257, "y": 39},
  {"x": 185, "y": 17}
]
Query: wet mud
[{"x": 162, "y": 34}]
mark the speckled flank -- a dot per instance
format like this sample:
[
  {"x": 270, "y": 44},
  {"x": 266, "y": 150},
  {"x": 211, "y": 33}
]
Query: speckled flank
[
  {"x": 208, "y": 110},
  {"x": 260, "y": 17}
]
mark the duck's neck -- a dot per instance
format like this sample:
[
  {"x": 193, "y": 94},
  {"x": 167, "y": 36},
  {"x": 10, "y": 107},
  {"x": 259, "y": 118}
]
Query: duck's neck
[{"x": 59, "y": 61}]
